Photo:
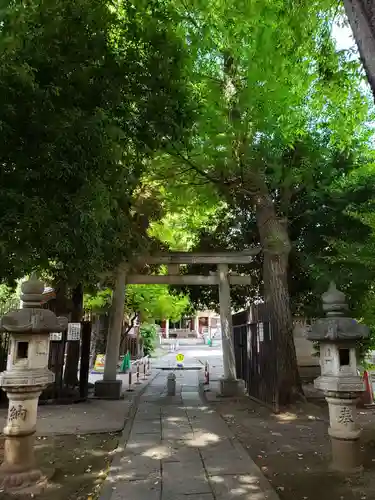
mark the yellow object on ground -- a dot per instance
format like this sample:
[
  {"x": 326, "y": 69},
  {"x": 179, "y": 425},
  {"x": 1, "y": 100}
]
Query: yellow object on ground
[{"x": 99, "y": 363}]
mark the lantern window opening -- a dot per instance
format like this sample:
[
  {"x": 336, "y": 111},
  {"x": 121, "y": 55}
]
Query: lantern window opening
[
  {"x": 22, "y": 350},
  {"x": 344, "y": 357}
]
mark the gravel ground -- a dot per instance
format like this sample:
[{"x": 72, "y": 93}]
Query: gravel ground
[
  {"x": 293, "y": 449},
  {"x": 80, "y": 465}
]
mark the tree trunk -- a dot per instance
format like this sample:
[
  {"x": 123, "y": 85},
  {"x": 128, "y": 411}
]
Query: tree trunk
[
  {"x": 276, "y": 246},
  {"x": 95, "y": 334},
  {"x": 361, "y": 16},
  {"x": 57, "y": 351},
  {"x": 103, "y": 334},
  {"x": 126, "y": 327},
  {"x": 139, "y": 347},
  {"x": 73, "y": 347}
]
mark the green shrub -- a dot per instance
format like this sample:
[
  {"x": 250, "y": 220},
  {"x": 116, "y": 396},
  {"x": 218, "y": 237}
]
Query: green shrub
[{"x": 148, "y": 333}]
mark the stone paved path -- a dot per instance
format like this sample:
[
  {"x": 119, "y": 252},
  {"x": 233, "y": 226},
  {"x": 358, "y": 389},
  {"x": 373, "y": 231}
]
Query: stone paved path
[{"x": 180, "y": 449}]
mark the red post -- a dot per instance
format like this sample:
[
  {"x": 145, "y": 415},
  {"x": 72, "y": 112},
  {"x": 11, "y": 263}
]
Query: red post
[
  {"x": 206, "y": 374},
  {"x": 367, "y": 397},
  {"x": 138, "y": 382},
  {"x": 130, "y": 381}
]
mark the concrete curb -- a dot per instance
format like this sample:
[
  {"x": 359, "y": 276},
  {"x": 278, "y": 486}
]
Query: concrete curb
[
  {"x": 106, "y": 490},
  {"x": 265, "y": 486}
]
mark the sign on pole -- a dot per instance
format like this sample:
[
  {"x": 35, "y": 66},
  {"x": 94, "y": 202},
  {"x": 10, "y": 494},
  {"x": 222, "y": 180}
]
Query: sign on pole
[
  {"x": 74, "y": 331},
  {"x": 55, "y": 336},
  {"x": 180, "y": 359}
]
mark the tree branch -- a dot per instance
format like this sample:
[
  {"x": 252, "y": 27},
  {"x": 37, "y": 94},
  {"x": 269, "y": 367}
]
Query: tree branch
[
  {"x": 130, "y": 325},
  {"x": 193, "y": 166}
]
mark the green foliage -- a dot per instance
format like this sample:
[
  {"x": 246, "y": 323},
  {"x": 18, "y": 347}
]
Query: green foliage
[
  {"x": 155, "y": 302},
  {"x": 179, "y": 228},
  {"x": 98, "y": 302},
  {"x": 148, "y": 333},
  {"x": 6, "y": 294},
  {"x": 265, "y": 91},
  {"x": 88, "y": 91},
  {"x": 283, "y": 117},
  {"x": 330, "y": 227},
  {"x": 9, "y": 298},
  {"x": 151, "y": 302}
]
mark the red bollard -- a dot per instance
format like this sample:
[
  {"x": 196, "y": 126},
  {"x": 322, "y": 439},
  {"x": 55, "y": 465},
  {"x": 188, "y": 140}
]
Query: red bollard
[
  {"x": 367, "y": 397},
  {"x": 130, "y": 382},
  {"x": 138, "y": 382},
  {"x": 206, "y": 374}
]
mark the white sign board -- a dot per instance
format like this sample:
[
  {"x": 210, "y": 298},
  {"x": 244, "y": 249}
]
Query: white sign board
[
  {"x": 74, "y": 331},
  {"x": 55, "y": 336}
]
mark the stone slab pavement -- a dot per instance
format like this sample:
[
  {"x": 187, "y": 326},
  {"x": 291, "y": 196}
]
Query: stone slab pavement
[
  {"x": 178, "y": 448},
  {"x": 92, "y": 417}
]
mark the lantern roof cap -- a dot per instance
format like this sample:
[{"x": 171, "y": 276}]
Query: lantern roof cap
[
  {"x": 32, "y": 292},
  {"x": 334, "y": 301}
]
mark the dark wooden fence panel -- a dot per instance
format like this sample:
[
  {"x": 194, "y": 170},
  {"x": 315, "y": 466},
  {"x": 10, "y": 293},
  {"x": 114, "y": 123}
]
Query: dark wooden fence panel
[
  {"x": 256, "y": 360},
  {"x": 130, "y": 345},
  {"x": 240, "y": 351},
  {"x": 85, "y": 360}
]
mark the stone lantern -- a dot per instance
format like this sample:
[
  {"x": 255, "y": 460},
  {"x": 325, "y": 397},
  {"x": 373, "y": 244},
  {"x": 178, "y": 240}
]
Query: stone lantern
[
  {"x": 338, "y": 336},
  {"x": 27, "y": 375}
]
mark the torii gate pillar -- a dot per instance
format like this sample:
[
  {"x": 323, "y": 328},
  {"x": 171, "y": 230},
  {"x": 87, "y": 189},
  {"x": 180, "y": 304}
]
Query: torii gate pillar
[
  {"x": 110, "y": 387},
  {"x": 229, "y": 384}
]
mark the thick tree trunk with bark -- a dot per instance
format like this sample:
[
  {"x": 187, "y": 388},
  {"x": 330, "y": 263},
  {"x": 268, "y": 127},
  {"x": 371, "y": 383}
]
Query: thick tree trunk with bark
[
  {"x": 103, "y": 334},
  {"x": 73, "y": 347},
  {"x": 127, "y": 326},
  {"x": 361, "y": 14},
  {"x": 61, "y": 307},
  {"x": 276, "y": 246},
  {"x": 95, "y": 334}
]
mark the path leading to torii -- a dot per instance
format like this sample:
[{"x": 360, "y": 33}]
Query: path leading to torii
[{"x": 178, "y": 448}]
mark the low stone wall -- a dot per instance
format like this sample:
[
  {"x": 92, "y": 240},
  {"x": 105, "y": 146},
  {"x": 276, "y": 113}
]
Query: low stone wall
[
  {"x": 182, "y": 333},
  {"x": 308, "y": 362}
]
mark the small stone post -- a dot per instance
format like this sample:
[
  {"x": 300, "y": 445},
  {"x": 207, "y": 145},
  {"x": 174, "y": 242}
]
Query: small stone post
[
  {"x": 171, "y": 384},
  {"x": 196, "y": 325},
  {"x": 209, "y": 326},
  {"x": 26, "y": 376},
  {"x": 337, "y": 335},
  {"x": 167, "y": 328}
]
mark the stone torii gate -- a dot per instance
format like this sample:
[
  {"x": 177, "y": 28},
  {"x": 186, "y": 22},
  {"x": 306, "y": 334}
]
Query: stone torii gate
[{"x": 110, "y": 387}]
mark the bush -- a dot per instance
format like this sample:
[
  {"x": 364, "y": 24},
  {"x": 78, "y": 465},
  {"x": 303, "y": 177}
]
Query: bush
[{"x": 148, "y": 333}]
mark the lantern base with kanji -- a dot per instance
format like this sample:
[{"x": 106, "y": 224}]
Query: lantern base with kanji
[
  {"x": 27, "y": 375},
  {"x": 344, "y": 432},
  {"x": 19, "y": 471}
]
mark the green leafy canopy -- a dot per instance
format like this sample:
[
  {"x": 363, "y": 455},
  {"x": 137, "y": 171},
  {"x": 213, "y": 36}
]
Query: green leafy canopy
[{"x": 88, "y": 92}]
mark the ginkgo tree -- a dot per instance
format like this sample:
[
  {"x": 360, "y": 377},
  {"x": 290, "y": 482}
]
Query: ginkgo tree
[{"x": 267, "y": 77}]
